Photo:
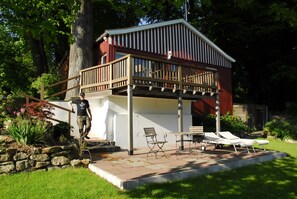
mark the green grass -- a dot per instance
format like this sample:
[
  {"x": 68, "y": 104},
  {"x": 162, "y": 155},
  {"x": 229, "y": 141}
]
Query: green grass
[
  {"x": 62, "y": 183},
  {"x": 274, "y": 179}
]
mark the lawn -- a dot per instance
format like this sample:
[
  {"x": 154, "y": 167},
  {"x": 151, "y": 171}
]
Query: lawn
[{"x": 275, "y": 179}]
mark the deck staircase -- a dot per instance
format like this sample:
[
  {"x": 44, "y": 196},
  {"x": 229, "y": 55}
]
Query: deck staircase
[{"x": 96, "y": 145}]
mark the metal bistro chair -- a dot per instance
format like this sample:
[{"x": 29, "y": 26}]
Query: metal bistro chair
[{"x": 154, "y": 145}]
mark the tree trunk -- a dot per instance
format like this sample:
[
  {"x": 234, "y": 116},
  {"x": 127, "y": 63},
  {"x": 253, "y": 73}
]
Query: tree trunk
[
  {"x": 81, "y": 51},
  {"x": 38, "y": 55}
]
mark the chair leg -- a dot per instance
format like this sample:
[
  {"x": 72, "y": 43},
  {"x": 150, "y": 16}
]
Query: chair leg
[
  {"x": 247, "y": 148},
  {"x": 151, "y": 147},
  {"x": 234, "y": 148},
  {"x": 157, "y": 150},
  {"x": 161, "y": 148},
  {"x": 253, "y": 149}
]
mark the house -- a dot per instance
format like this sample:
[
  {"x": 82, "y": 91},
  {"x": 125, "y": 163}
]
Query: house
[{"x": 156, "y": 75}]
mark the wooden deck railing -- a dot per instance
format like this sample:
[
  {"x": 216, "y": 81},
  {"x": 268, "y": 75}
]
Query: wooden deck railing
[
  {"x": 142, "y": 71},
  {"x": 44, "y": 100}
]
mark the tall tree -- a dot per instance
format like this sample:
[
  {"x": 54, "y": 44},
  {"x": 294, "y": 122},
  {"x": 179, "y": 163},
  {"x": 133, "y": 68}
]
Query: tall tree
[
  {"x": 15, "y": 64},
  {"x": 260, "y": 35},
  {"x": 163, "y": 10},
  {"x": 81, "y": 50},
  {"x": 40, "y": 23},
  {"x": 107, "y": 14}
]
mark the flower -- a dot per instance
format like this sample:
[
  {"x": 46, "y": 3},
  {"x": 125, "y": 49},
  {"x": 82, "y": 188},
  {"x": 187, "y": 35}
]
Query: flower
[{"x": 22, "y": 110}]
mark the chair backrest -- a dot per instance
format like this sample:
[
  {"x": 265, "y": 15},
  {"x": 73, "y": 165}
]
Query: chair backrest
[
  {"x": 196, "y": 129},
  {"x": 228, "y": 135},
  {"x": 150, "y": 134},
  {"x": 211, "y": 136},
  {"x": 149, "y": 131}
]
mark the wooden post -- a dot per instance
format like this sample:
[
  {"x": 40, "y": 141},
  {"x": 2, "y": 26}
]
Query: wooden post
[
  {"x": 110, "y": 75},
  {"x": 27, "y": 99},
  {"x": 180, "y": 119},
  {"x": 69, "y": 121},
  {"x": 130, "y": 107},
  {"x": 42, "y": 91},
  {"x": 80, "y": 81}
]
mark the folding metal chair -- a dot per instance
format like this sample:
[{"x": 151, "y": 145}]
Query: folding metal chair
[{"x": 154, "y": 145}]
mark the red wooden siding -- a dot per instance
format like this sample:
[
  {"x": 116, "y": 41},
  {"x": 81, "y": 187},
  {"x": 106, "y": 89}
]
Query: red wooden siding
[
  {"x": 187, "y": 45},
  {"x": 207, "y": 105},
  {"x": 180, "y": 40}
]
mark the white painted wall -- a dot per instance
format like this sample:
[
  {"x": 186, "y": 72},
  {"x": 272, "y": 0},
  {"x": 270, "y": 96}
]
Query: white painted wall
[
  {"x": 163, "y": 124},
  {"x": 110, "y": 118}
]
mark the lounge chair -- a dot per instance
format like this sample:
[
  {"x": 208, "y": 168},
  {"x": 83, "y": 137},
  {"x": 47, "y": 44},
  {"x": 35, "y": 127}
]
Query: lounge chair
[
  {"x": 212, "y": 138},
  {"x": 230, "y": 136}
]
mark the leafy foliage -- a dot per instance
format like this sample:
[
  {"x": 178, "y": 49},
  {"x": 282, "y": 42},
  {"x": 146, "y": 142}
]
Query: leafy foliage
[
  {"x": 37, "y": 110},
  {"x": 9, "y": 109},
  {"x": 282, "y": 127},
  {"x": 28, "y": 131},
  {"x": 229, "y": 122},
  {"x": 162, "y": 10},
  {"x": 44, "y": 27},
  {"x": 260, "y": 35},
  {"x": 47, "y": 79},
  {"x": 28, "y": 122},
  {"x": 16, "y": 66}
]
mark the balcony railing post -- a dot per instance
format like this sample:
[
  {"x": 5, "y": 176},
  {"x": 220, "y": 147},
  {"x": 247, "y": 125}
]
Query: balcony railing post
[
  {"x": 216, "y": 81},
  {"x": 110, "y": 75},
  {"x": 179, "y": 76},
  {"x": 129, "y": 70},
  {"x": 80, "y": 81}
]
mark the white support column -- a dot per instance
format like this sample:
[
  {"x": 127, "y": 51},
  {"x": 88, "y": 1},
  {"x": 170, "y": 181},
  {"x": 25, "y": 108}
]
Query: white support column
[
  {"x": 217, "y": 95},
  {"x": 130, "y": 106},
  {"x": 130, "y": 119},
  {"x": 180, "y": 119},
  {"x": 218, "y": 114}
]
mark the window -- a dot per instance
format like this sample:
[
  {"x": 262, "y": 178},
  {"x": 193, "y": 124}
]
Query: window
[
  {"x": 119, "y": 55},
  {"x": 103, "y": 59}
]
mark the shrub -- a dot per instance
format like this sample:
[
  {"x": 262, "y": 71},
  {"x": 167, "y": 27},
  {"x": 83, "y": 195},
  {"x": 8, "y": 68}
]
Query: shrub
[
  {"x": 234, "y": 124},
  {"x": 282, "y": 127},
  {"x": 62, "y": 129},
  {"x": 28, "y": 123},
  {"x": 28, "y": 131},
  {"x": 37, "y": 110},
  {"x": 229, "y": 122},
  {"x": 8, "y": 109}
]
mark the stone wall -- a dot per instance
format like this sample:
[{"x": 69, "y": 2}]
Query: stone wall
[
  {"x": 13, "y": 160},
  {"x": 253, "y": 114}
]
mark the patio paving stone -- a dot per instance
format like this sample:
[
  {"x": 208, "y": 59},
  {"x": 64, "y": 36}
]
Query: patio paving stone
[{"x": 128, "y": 172}]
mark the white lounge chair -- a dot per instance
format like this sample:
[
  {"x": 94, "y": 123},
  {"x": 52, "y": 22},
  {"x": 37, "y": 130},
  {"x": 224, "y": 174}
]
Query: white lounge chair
[
  {"x": 212, "y": 138},
  {"x": 230, "y": 136}
]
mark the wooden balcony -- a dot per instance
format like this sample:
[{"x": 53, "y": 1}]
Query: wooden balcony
[{"x": 150, "y": 77}]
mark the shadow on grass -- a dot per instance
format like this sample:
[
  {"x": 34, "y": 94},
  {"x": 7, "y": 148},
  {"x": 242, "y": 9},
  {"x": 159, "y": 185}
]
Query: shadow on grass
[{"x": 275, "y": 179}]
